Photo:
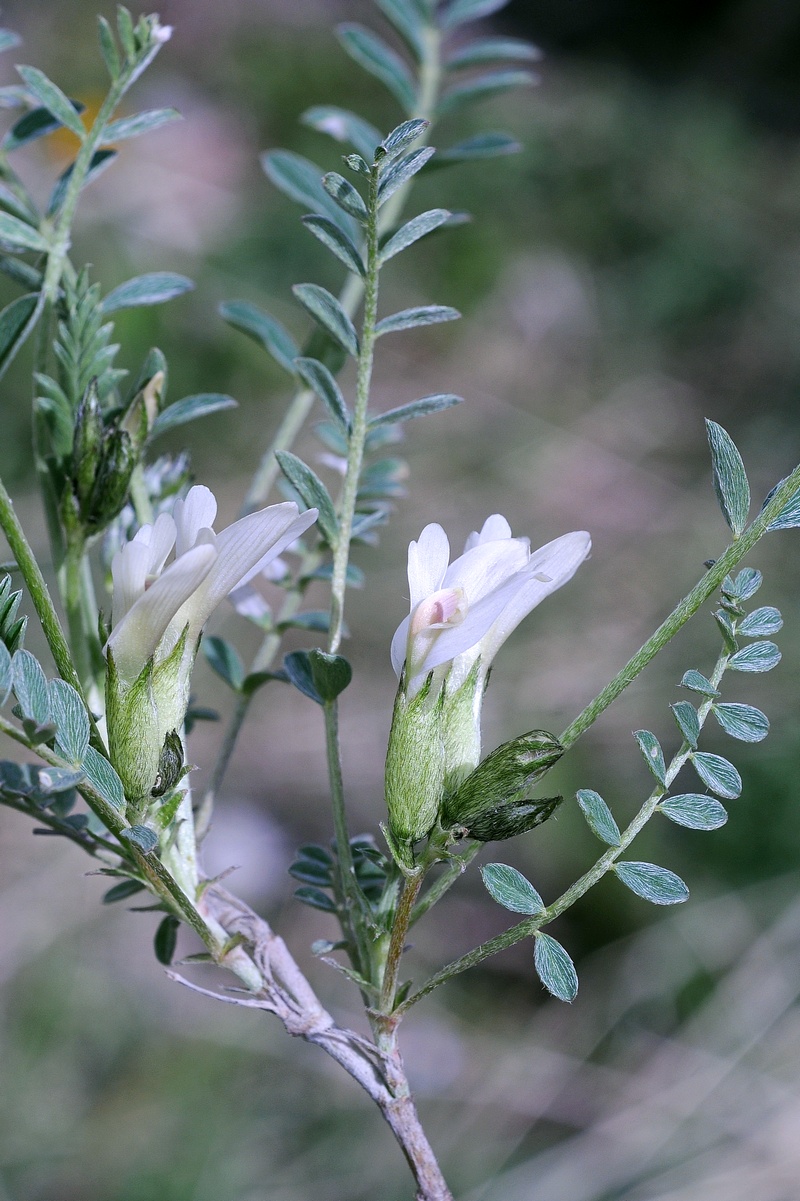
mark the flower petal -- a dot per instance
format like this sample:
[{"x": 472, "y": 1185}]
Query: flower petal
[
  {"x": 194, "y": 514},
  {"x": 160, "y": 538},
  {"x": 134, "y": 640},
  {"x": 427, "y": 562},
  {"x": 244, "y": 549},
  {"x": 494, "y": 528},
  {"x": 486, "y": 567},
  {"x": 129, "y": 576},
  {"x": 548, "y": 569}
]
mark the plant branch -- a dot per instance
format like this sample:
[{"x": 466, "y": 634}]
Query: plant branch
[{"x": 686, "y": 609}]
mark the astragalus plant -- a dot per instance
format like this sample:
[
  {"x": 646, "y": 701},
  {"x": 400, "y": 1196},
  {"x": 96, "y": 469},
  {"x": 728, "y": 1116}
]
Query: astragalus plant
[{"x": 139, "y": 569}]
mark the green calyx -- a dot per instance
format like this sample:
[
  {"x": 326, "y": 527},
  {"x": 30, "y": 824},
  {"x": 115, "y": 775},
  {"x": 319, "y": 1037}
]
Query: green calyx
[
  {"x": 507, "y": 821},
  {"x": 461, "y": 728},
  {"x": 414, "y": 770},
  {"x": 502, "y": 778},
  {"x": 143, "y": 719}
]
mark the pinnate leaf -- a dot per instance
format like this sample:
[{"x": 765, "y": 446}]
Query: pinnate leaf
[
  {"x": 375, "y": 56},
  {"x": 322, "y": 382},
  {"x": 744, "y": 722},
  {"x": 687, "y": 720},
  {"x": 132, "y": 127},
  {"x": 459, "y": 12},
  {"x": 653, "y": 754},
  {"x": 329, "y": 233},
  {"x": 493, "y": 83},
  {"x": 511, "y": 889},
  {"x": 71, "y": 720},
  {"x": 758, "y": 656},
  {"x": 30, "y": 687},
  {"x": 720, "y": 776},
  {"x": 262, "y": 328},
  {"x": 429, "y": 314},
  {"x": 554, "y": 968},
  {"x": 412, "y": 231},
  {"x": 694, "y": 811},
  {"x": 153, "y": 288},
  {"x": 598, "y": 816},
  {"x": 697, "y": 682},
  {"x": 312, "y": 490},
  {"x": 766, "y": 620},
  {"x": 400, "y": 170},
  {"x": 53, "y": 99},
  {"x": 224, "y": 659},
  {"x": 344, "y": 126},
  {"x": 417, "y": 408},
  {"x": 190, "y": 408},
  {"x": 327, "y": 312},
  {"x": 20, "y": 236},
  {"x": 730, "y": 477},
  {"x": 652, "y": 883},
  {"x": 344, "y": 195}
]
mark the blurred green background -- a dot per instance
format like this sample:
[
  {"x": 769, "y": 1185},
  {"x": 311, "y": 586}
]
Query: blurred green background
[{"x": 632, "y": 271}]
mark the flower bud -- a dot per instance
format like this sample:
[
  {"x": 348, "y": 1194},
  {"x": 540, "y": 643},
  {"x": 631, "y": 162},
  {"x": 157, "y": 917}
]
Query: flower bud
[
  {"x": 507, "y": 821},
  {"x": 112, "y": 481},
  {"x": 414, "y": 769},
  {"x": 170, "y": 765},
  {"x": 503, "y": 777},
  {"x": 87, "y": 445}
]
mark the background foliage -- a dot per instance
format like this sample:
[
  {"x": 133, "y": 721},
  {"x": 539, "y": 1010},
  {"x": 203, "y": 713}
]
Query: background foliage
[{"x": 633, "y": 270}]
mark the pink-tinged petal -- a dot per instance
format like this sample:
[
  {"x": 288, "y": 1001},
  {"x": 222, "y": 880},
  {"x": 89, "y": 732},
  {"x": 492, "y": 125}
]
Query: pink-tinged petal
[
  {"x": 134, "y": 639},
  {"x": 486, "y": 567},
  {"x": 194, "y": 514},
  {"x": 427, "y": 562},
  {"x": 461, "y": 637},
  {"x": 244, "y": 549},
  {"x": 549, "y": 568}
]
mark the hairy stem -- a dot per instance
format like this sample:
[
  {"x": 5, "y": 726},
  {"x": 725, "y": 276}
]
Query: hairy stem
[
  {"x": 730, "y": 559},
  {"x": 348, "y": 885},
  {"x": 350, "y": 297},
  {"x": 358, "y": 434},
  {"x": 397, "y": 943},
  {"x": 686, "y": 609}
]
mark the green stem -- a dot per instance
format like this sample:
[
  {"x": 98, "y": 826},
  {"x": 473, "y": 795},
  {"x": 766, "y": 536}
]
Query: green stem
[
  {"x": 679, "y": 616},
  {"x": 686, "y": 609},
  {"x": 397, "y": 943},
  {"x": 348, "y": 885},
  {"x": 430, "y": 78},
  {"x": 39, "y": 593},
  {"x": 454, "y": 871},
  {"x": 529, "y": 926},
  {"x": 358, "y": 434}
]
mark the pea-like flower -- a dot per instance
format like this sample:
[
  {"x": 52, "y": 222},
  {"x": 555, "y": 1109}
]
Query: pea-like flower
[
  {"x": 159, "y": 612},
  {"x": 461, "y": 614}
]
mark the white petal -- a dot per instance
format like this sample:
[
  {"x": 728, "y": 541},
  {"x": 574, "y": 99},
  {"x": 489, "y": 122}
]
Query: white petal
[
  {"x": 399, "y": 644},
  {"x": 129, "y": 576},
  {"x": 161, "y": 542},
  {"x": 486, "y": 567},
  {"x": 244, "y": 549},
  {"x": 427, "y": 562},
  {"x": 494, "y": 528},
  {"x": 549, "y": 568},
  {"x": 194, "y": 514},
  {"x": 134, "y": 639}
]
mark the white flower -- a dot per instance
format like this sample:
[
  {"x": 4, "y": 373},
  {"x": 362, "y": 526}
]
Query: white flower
[
  {"x": 153, "y": 604},
  {"x": 159, "y": 612},
  {"x": 462, "y": 612}
]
